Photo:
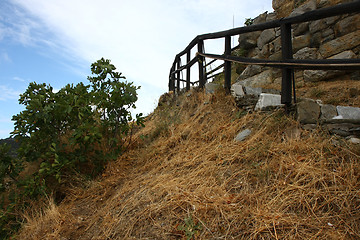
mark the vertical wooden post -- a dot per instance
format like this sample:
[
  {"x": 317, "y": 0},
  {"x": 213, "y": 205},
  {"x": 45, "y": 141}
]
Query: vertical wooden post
[
  {"x": 287, "y": 73},
  {"x": 227, "y": 65},
  {"x": 172, "y": 80},
  {"x": 188, "y": 70},
  {"x": 172, "y": 77},
  {"x": 178, "y": 75},
  {"x": 201, "y": 61}
]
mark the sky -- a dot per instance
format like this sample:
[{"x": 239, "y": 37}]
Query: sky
[{"x": 55, "y": 42}]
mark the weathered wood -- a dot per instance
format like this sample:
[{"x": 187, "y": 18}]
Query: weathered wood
[
  {"x": 287, "y": 64},
  {"x": 227, "y": 66},
  {"x": 287, "y": 73},
  {"x": 201, "y": 64},
  {"x": 178, "y": 75},
  {"x": 188, "y": 69},
  {"x": 172, "y": 80},
  {"x": 315, "y": 64}
]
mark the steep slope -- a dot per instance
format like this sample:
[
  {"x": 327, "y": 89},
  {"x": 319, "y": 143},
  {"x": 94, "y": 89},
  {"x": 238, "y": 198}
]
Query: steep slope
[{"x": 185, "y": 177}]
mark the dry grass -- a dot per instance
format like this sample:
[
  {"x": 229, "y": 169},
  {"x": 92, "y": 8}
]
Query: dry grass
[{"x": 282, "y": 182}]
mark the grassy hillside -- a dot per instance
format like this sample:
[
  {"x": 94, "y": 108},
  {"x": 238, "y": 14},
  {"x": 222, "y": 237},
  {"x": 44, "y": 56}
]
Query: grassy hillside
[{"x": 184, "y": 177}]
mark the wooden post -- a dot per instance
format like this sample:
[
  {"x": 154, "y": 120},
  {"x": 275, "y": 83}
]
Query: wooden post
[
  {"x": 188, "y": 70},
  {"x": 201, "y": 64},
  {"x": 172, "y": 77},
  {"x": 178, "y": 75},
  {"x": 227, "y": 66},
  {"x": 287, "y": 73}
]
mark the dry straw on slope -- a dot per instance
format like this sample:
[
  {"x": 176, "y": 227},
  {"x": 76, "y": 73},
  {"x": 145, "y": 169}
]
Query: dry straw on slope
[{"x": 185, "y": 177}]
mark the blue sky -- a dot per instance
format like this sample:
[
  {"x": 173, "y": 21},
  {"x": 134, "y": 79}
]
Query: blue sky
[{"x": 55, "y": 41}]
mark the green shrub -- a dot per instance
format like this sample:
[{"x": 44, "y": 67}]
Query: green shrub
[{"x": 73, "y": 131}]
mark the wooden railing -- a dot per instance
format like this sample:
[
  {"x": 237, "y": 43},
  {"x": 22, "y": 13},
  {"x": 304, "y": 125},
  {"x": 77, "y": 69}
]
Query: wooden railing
[{"x": 287, "y": 64}]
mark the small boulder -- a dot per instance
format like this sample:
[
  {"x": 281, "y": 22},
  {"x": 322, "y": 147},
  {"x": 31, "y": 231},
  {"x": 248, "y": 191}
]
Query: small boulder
[
  {"x": 242, "y": 135},
  {"x": 308, "y": 111},
  {"x": 267, "y": 100}
]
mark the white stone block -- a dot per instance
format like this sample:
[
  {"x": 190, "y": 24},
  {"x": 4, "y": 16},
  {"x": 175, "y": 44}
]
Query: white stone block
[
  {"x": 268, "y": 100},
  {"x": 237, "y": 90},
  {"x": 348, "y": 112}
]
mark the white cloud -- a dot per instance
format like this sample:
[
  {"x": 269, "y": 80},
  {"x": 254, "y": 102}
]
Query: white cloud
[
  {"x": 8, "y": 93},
  {"x": 19, "y": 79},
  {"x": 140, "y": 37}
]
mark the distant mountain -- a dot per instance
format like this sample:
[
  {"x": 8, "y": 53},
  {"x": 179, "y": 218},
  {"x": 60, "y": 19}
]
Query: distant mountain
[{"x": 13, "y": 144}]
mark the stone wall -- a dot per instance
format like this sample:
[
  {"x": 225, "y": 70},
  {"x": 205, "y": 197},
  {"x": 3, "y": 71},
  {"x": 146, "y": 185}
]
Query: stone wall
[
  {"x": 284, "y": 8},
  {"x": 330, "y": 38},
  {"x": 257, "y": 88}
]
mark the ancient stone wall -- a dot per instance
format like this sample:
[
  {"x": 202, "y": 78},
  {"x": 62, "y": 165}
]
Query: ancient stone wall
[
  {"x": 284, "y": 8},
  {"x": 329, "y": 38},
  {"x": 258, "y": 87}
]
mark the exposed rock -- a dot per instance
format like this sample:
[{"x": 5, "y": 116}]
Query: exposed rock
[
  {"x": 354, "y": 140},
  {"x": 347, "y": 25},
  {"x": 306, "y": 53},
  {"x": 315, "y": 75},
  {"x": 301, "y": 29},
  {"x": 309, "y": 6},
  {"x": 343, "y": 129},
  {"x": 249, "y": 40},
  {"x": 265, "y": 37},
  {"x": 327, "y": 33},
  {"x": 270, "y": 17},
  {"x": 263, "y": 78},
  {"x": 320, "y": 75},
  {"x": 268, "y": 100},
  {"x": 265, "y": 51},
  {"x": 328, "y": 3},
  {"x": 340, "y": 44},
  {"x": 348, "y": 112},
  {"x": 332, "y": 20},
  {"x": 256, "y": 91},
  {"x": 242, "y": 135},
  {"x": 276, "y": 56},
  {"x": 316, "y": 40},
  {"x": 327, "y": 111},
  {"x": 318, "y": 25},
  {"x": 250, "y": 71},
  {"x": 275, "y": 46},
  {"x": 300, "y": 42},
  {"x": 261, "y": 18},
  {"x": 237, "y": 90},
  {"x": 344, "y": 55},
  {"x": 308, "y": 111},
  {"x": 283, "y": 7}
]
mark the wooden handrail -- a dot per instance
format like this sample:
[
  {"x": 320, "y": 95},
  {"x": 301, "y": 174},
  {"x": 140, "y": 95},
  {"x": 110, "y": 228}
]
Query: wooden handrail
[
  {"x": 287, "y": 64},
  {"x": 314, "y": 64}
]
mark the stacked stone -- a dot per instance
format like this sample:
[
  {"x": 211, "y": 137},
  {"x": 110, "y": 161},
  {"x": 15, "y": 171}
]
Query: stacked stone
[{"x": 331, "y": 38}]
